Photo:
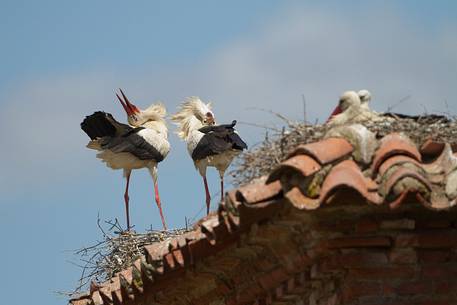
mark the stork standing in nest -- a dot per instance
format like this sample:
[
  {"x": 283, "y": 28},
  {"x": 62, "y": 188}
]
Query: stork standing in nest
[
  {"x": 207, "y": 143},
  {"x": 142, "y": 143}
]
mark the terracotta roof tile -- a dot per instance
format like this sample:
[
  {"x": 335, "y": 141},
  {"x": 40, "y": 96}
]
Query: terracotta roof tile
[
  {"x": 394, "y": 144},
  {"x": 418, "y": 183},
  {"x": 254, "y": 193},
  {"x": 325, "y": 151},
  {"x": 396, "y": 160},
  {"x": 300, "y": 201},
  {"x": 348, "y": 174},
  {"x": 445, "y": 162},
  {"x": 431, "y": 148},
  {"x": 391, "y": 173},
  {"x": 301, "y": 164}
]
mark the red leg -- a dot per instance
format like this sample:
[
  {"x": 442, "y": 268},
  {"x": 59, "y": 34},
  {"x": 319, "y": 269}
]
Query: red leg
[
  {"x": 208, "y": 196},
  {"x": 222, "y": 189},
  {"x": 126, "y": 199},
  {"x": 159, "y": 205}
]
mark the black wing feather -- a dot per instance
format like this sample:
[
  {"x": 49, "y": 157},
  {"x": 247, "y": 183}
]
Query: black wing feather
[
  {"x": 132, "y": 143},
  {"x": 209, "y": 145},
  {"x": 217, "y": 139},
  {"x": 102, "y": 124},
  {"x": 238, "y": 143}
]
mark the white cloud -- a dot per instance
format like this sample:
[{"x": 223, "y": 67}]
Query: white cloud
[{"x": 311, "y": 51}]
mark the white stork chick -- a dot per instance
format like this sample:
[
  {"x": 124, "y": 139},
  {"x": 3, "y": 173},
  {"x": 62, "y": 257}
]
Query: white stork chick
[
  {"x": 365, "y": 98},
  {"x": 350, "y": 109},
  {"x": 207, "y": 143},
  {"x": 141, "y": 144}
]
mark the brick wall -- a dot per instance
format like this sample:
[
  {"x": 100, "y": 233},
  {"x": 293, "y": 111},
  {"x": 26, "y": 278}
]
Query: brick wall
[
  {"x": 391, "y": 259},
  {"x": 342, "y": 254}
]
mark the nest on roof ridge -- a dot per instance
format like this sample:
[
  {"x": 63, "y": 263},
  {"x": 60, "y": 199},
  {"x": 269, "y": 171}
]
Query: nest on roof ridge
[
  {"x": 263, "y": 158},
  {"x": 117, "y": 251}
]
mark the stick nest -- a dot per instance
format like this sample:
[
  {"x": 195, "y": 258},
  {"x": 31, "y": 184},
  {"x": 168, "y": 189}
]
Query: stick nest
[
  {"x": 117, "y": 251},
  {"x": 261, "y": 160}
]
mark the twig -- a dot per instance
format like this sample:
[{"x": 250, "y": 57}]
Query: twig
[
  {"x": 258, "y": 125},
  {"x": 304, "y": 108},
  {"x": 403, "y": 99},
  {"x": 280, "y": 116}
]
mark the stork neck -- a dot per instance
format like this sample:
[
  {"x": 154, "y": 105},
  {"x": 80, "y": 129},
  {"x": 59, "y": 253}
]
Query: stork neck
[
  {"x": 157, "y": 126},
  {"x": 191, "y": 125}
]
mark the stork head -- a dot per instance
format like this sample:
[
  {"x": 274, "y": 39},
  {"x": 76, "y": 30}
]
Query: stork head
[
  {"x": 193, "y": 114},
  {"x": 347, "y": 99},
  {"x": 365, "y": 97},
  {"x": 133, "y": 112},
  {"x": 136, "y": 116}
]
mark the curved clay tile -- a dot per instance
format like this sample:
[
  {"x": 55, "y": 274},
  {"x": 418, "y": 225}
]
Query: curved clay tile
[
  {"x": 302, "y": 164},
  {"x": 300, "y": 201},
  {"x": 258, "y": 192},
  {"x": 362, "y": 140},
  {"x": 394, "y": 144},
  {"x": 444, "y": 163},
  {"x": 437, "y": 201},
  {"x": 412, "y": 182},
  {"x": 325, "y": 151},
  {"x": 348, "y": 174},
  {"x": 396, "y": 160},
  {"x": 432, "y": 148}
]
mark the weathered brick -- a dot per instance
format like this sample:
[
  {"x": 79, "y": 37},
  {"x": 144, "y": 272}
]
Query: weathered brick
[
  {"x": 356, "y": 289},
  {"x": 442, "y": 287},
  {"x": 406, "y": 240},
  {"x": 359, "y": 259},
  {"x": 359, "y": 242},
  {"x": 403, "y": 256},
  {"x": 438, "y": 240},
  {"x": 377, "y": 273},
  {"x": 366, "y": 226},
  {"x": 388, "y": 289},
  {"x": 434, "y": 256},
  {"x": 427, "y": 240},
  {"x": 438, "y": 302},
  {"x": 270, "y": 280},
  {"x": 377, "y": 300},
  {"x": 332, "y": 300},
  {"x": 434, "y": 224},
  {"x": 398, "y": 224},
  {"x": 439, "y": 271},
  {"x": 415, "y": 288}
]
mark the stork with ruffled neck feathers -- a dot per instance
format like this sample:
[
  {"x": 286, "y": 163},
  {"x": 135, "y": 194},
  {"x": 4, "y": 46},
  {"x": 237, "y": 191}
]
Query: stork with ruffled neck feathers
[
  {"x": 143, "y": 143},
  {"x": 207, "y": 143}
]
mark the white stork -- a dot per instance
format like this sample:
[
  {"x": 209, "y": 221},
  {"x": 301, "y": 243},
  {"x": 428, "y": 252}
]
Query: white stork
[
  {"x": 351, "y": 109},
  {"x": 141, "y": 143},
  {"x": 207, "y": 143},
  {"x": 365, "y": 98}
]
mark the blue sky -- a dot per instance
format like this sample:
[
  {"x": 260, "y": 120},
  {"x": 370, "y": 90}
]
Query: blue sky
[{"x": 62, "y": 60}]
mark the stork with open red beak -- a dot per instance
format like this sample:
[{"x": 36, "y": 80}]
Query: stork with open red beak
[
  {"x": 352, "y": 108},
  {"x": 207, "y": 143},
  {"x": 143, "y": 143}
]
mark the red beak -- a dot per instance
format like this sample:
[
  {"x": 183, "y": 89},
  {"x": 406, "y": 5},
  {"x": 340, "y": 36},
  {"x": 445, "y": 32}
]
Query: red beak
[
  {"x": 336, "y": 111},
  {"x": 129, "y": 108}
]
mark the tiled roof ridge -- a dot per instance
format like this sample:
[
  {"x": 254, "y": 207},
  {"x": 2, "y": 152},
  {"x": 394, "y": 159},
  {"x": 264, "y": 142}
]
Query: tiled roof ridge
[{"x": 381, "y": 171}]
